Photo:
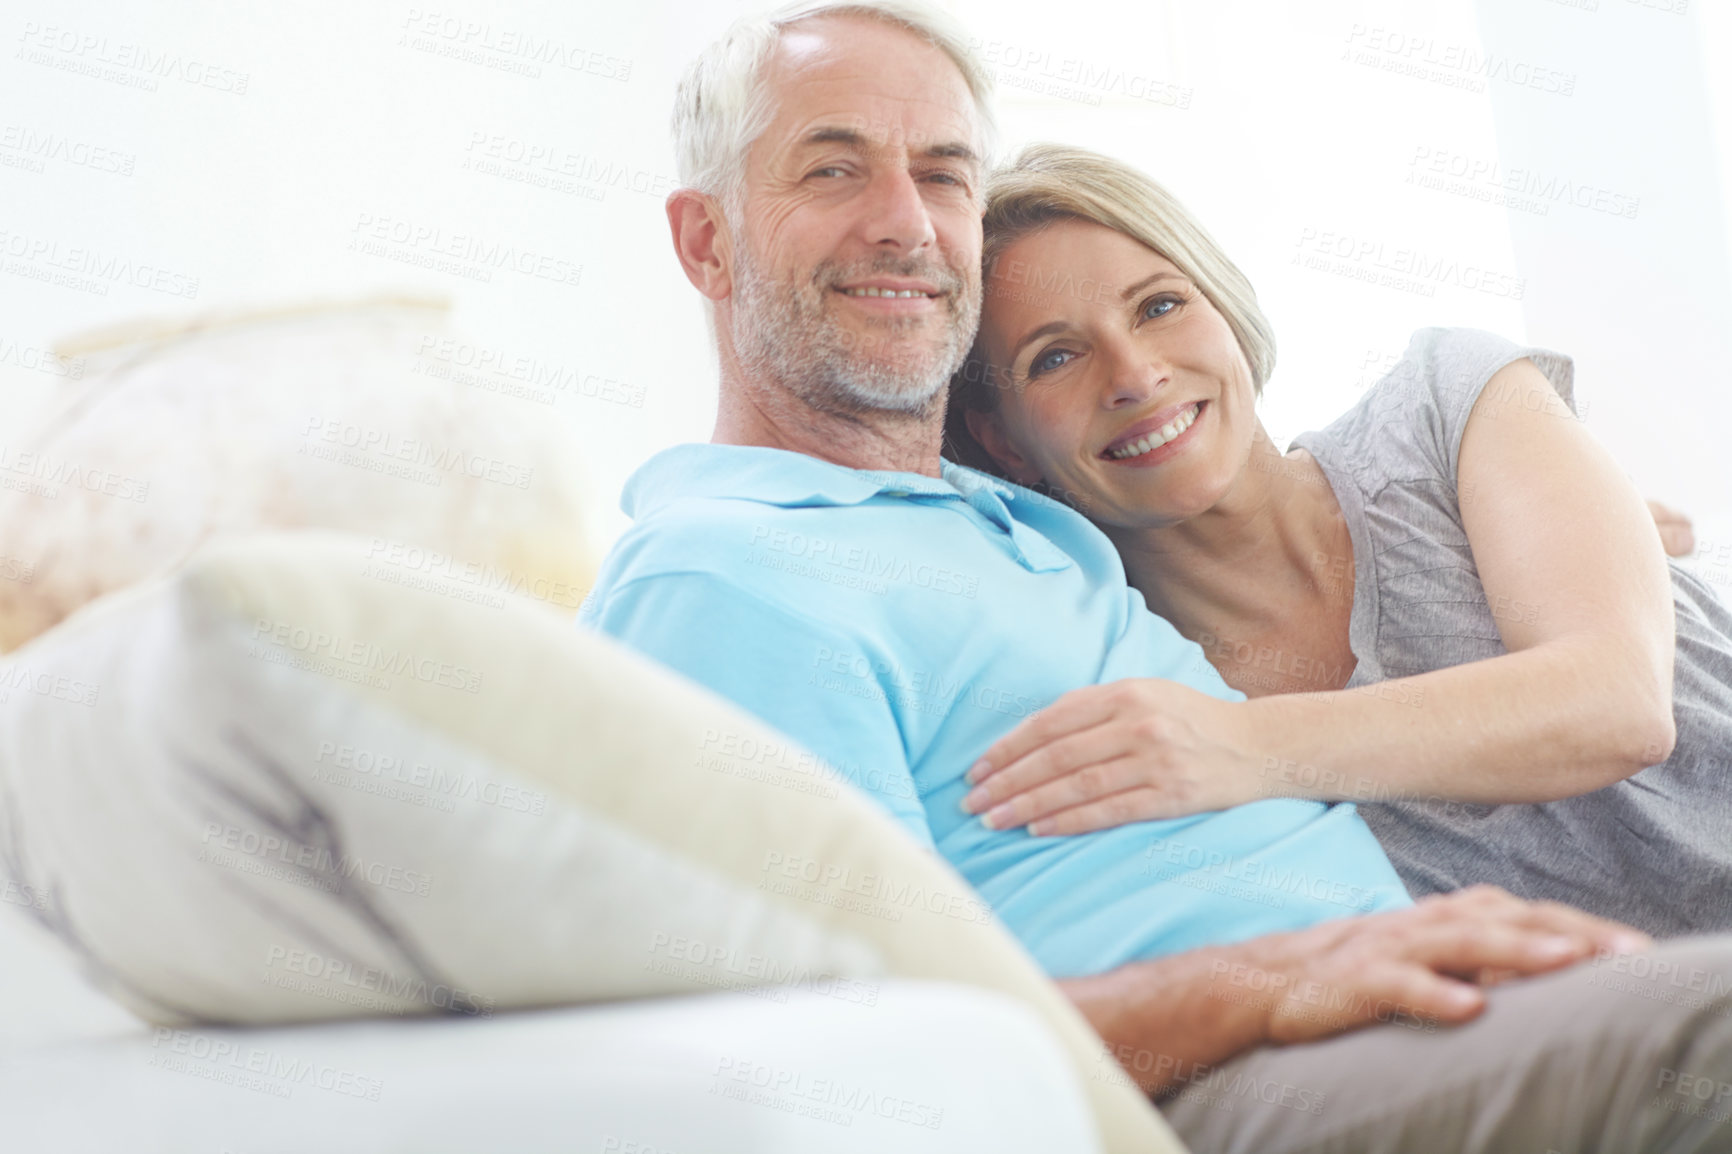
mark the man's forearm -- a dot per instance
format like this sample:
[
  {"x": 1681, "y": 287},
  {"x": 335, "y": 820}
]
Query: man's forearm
[{"x": 1163, "y": 1020}]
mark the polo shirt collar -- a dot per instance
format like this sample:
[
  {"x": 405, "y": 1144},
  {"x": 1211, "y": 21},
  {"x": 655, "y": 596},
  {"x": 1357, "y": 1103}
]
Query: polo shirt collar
[
  {"x": 781, "y": 477},
  {"x": 794, "y": 480}
]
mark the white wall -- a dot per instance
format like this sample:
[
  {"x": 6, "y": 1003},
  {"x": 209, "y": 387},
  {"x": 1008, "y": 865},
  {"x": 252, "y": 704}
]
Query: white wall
[
  {"x": 1632, "y": 280},
  {"x": 1302, "y": 133}
]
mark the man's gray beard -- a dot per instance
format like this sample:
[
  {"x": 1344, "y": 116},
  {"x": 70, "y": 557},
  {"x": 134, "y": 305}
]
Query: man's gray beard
[{"x": 782, "y": 333}]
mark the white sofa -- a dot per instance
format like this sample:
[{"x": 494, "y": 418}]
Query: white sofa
[
  {"x": 727, "y": 1073},
  {"x": 95, "y": 809}
]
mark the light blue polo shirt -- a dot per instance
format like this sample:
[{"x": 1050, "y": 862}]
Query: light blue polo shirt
[{"x": 897, "y": 625}]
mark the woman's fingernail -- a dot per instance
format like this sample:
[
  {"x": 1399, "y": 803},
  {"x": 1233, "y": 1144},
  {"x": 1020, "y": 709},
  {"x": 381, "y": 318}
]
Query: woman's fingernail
[
  {"x": 977, "y": 771},
  {"x": 1555, "y": 946},
  {"x": 974, "y": 801},
  {"x": 1039, "y": 829},
  {"x": 1631, "y": 943},
  {"x": 998, "y": 818},
  {"x": 1463, "y": 997}
]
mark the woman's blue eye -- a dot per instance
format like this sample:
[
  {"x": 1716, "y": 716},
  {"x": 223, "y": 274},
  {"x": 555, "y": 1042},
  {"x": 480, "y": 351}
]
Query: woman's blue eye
[
  {"x": 1149, "y": 312},
  {"x": 1046, "y": 362}
]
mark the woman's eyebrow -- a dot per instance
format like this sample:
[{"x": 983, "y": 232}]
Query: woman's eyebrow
[
  {"x": 1055, "y": 326},
  {"x": 1147, "y": 281},
  {"x": 1044, "y": 330}
]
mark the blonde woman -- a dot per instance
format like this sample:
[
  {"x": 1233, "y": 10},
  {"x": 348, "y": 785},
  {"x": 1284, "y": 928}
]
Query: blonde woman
[{"x": 1449, "y": 605}]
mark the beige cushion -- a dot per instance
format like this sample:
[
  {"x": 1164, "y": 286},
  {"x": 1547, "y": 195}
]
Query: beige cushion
[
  {"x": 271, "y": 788},
  {"x": 352, "y": 417}
]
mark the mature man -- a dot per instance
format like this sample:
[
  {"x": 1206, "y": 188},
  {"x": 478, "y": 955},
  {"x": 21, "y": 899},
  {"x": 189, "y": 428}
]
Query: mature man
[{"x": 819, "y": 564}]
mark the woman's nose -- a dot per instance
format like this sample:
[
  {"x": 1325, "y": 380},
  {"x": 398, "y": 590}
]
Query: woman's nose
[{"x": 1133, "y": 379}]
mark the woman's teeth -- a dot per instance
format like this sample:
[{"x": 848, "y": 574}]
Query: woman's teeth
[
  {"x": 872, "y": 292},
  {"x": 1159, "y": 437}
]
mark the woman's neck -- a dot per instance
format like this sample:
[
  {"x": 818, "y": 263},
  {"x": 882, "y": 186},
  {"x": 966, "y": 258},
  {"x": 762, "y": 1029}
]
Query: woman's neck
[{"x": 1273, "y": 551}]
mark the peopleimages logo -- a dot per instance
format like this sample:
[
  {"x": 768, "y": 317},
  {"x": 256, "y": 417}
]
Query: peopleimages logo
[
  {"x": 135, "y": 65},
  {"x": 436, "y": 460},
  {"x": 1398, "y": 266},
  {"x": 499, "y": 370},
  {"x": 917, "y": 689},
  {"x": 824, "y": 881},
  {"x": 865, "y": 561},
  {"x": 220, "y": 1059},
  {"x": 369, "y": 986},
  {"x": 38, "y": 256},
  {"x": 420, "y": 780},
  {"x": 58, "y": 686},
  {"x": 483, "y": 576},
  {"x": 825, "y": 1099},
  {"x": 461, "y": 253},
  {"x": 1525, "y": 188},
  {"x": 38, "y": 147},
  {"x": 45, "y": 474},
  {"x": 365, "y": 656},
  {"x": 1174, "y": 860},
  {"x": 40, "y": 360},
  {"x": 1463, "y": 66},
  {"x": 317, "y": 860},
  {"x": 504, "y": 47}
]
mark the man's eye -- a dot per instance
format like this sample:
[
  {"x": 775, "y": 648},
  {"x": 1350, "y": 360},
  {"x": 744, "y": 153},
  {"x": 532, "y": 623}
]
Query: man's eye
[
  {"x": 1047, "y": 362},
  {"x": 827, "y": 170}
]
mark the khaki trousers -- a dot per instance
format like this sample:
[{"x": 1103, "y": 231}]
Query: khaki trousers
[{"x": 1619, "y": 1056}]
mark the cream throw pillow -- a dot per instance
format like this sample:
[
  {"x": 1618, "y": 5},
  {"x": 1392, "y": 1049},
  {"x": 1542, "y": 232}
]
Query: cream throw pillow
[
  {"x": 343, "y": 416},
  {"x": 272, "y": 788}
]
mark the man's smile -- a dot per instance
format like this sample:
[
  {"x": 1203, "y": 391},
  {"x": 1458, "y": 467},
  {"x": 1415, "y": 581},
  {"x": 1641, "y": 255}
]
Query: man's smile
[{"x": 892, "y": 295}]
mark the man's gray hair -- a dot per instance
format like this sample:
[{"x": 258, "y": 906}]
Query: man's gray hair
[{"x": 722, "y": 105}]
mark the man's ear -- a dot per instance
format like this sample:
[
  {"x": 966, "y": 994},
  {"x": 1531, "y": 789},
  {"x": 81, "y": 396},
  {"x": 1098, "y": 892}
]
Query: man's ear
[
  {"x": 702, "y": 242},
  {"x": 988, "y": 429}
]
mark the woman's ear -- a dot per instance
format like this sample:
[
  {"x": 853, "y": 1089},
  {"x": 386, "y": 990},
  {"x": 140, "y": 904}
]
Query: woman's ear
[{"x": 988, "y": 429}]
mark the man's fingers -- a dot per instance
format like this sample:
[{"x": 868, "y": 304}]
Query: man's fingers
[
  {"x": 1078, "y": 709},
  {"x": 1429, "y": 962},
  {"x": 1414, "y": 995},
  {"x": 1465, "y": 948},
  {"x": 1602, "y": 934},
  {"x": 1481, "y": 903},
  {"x": 1388, "y": 992}
]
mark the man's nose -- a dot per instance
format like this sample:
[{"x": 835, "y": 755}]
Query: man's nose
[{"x": 896, "y": 213}]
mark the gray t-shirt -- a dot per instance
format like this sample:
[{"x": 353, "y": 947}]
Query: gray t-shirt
[{"x": 1654, "y": 850}]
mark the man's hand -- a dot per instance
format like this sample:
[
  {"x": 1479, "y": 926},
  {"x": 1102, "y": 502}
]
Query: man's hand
[
  {"x": 1430, "y": 962},
  {"x": 1164, "y": 1020},
  {"x": 1677, "y": 535},
  {"x": 1104, "y": 755}
]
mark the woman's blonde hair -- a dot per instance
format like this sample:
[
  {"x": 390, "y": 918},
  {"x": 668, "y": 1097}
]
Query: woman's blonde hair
[{"x": 1052, "y": 182}]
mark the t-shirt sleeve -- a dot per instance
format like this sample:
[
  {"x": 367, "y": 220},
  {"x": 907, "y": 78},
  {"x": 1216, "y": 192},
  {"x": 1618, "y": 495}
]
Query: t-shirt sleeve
[
  {"x": 1409, "y": 427},
  {"x": 761, "y": 656}
]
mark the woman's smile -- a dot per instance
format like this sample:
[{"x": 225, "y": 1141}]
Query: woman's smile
[
  {"x": 1137, "y": 397},
  {"x": 1157, "y": 439}
]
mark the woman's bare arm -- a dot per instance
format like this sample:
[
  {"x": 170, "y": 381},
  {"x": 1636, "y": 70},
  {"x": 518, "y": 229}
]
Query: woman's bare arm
[
  {"x": 1576, "y": 576},
  {"x": 1573, "y": 569}
]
